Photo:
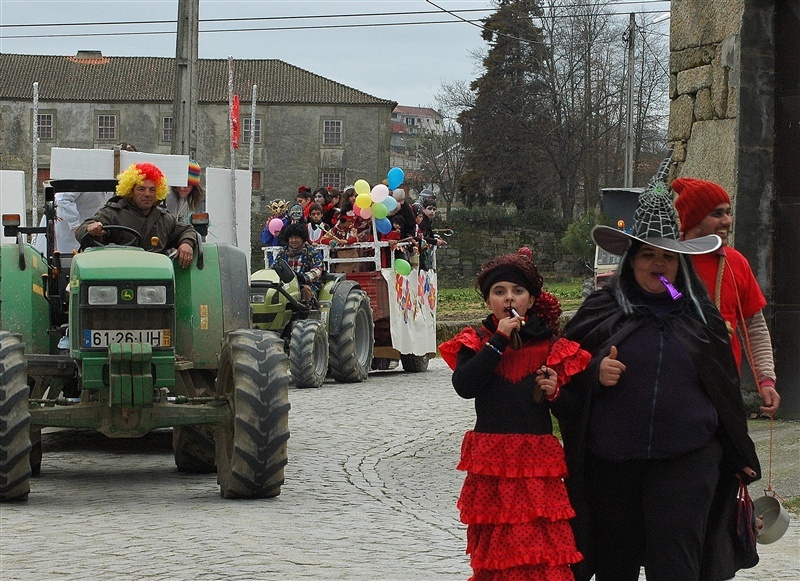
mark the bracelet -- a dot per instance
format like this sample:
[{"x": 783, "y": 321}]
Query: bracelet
[
  {"x": 555, "y": 395},
  {"x": 495, "y": 349}
]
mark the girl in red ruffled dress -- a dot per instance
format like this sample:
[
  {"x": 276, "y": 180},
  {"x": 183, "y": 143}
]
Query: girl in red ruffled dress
[{"x": 513, "y": 501}]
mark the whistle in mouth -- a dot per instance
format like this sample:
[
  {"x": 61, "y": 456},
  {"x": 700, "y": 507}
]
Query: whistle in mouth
[{"x": 673, "y": 292}]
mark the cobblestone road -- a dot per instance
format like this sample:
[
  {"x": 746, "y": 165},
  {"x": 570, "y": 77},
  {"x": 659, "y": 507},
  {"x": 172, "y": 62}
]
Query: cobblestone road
[{"x": 370, "y": 494}]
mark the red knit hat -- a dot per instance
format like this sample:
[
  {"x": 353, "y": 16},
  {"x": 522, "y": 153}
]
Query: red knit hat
[{"x": 696, "y": 198}]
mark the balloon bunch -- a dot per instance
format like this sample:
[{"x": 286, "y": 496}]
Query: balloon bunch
[{"x": 378, "y": 202}]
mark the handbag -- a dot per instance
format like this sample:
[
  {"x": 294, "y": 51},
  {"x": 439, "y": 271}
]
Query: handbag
[{"x": 746, "y": 528}]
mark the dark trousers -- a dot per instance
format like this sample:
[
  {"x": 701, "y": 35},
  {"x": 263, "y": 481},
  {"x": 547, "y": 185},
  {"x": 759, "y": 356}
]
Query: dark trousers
[{"x": 651, "y": 513}]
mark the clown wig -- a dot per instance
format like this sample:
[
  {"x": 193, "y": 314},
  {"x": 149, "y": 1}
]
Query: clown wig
[{"x": 136, "y": 175}]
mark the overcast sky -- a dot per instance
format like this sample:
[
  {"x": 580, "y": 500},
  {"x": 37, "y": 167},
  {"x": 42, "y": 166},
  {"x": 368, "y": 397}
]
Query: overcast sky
[
  {"x": 400, "y": 61},
  {"x": 417, "y": 47}
]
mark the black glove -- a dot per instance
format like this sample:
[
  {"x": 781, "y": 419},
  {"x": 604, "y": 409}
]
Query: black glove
[{"x": 303, "y": 278}]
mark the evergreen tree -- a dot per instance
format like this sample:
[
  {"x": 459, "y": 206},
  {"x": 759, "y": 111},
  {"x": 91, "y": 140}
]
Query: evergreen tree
[{"x": 501, "y": 133}]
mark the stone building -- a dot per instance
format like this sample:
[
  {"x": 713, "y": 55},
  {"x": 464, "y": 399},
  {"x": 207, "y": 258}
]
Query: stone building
[
  {"x": 308, "y": 129},
  {"x": 735, "y": 119}
]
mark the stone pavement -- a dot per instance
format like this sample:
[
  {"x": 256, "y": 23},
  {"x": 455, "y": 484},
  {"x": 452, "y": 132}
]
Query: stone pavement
[{"x": 370, "y": 494}]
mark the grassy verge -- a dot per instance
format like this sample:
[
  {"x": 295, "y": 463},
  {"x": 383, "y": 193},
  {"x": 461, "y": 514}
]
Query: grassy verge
[{"x": 465, "y": 304}]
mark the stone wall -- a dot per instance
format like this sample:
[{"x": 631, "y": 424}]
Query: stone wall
[
  {"x": 704, "y": 89},
  {"x": 470, "y": 246}
]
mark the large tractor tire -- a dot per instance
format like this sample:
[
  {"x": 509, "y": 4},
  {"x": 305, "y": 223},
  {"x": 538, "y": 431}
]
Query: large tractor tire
[
  {"x": 351, "y": 347},
  {"x": 15, "y": 420},
  {"x": 414, "y": 363},
  {"x": 308, "y": 353},
  {"x": 252, "y": 452}
]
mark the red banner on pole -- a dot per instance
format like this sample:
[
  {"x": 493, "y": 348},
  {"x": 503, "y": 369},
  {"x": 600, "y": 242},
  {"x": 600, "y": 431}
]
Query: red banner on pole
[{"x": 235, "y": 122}]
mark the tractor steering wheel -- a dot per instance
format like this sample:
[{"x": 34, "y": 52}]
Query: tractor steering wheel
[{"x": 89, "y": 240}]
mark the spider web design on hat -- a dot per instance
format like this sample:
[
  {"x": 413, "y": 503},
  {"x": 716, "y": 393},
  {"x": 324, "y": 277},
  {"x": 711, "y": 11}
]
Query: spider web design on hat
[{"x": 655, "y": 217}]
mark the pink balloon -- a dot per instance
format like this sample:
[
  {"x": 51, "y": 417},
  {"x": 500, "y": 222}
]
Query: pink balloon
[
  {"x": 275, "y": 225},
  {"x": 379, "y": 193},
  {"x": 357, "y": 210},
  {"x": 366, "y": 213}
]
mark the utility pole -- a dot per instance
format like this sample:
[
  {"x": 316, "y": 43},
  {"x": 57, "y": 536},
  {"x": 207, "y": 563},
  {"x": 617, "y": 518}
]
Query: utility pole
[
  {"x": 184, "y": 105},
  {"x": 629, "y": 106}
]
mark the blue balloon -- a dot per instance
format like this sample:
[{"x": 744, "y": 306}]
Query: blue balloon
[
  {"x": 383, "y": 225},
  {"x": 395, "y": 178},
  {"x": 390, "y": 203}
]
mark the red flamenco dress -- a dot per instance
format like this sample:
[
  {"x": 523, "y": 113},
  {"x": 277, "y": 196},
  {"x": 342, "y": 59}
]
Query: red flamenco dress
[{"x": 513, "y": 500}]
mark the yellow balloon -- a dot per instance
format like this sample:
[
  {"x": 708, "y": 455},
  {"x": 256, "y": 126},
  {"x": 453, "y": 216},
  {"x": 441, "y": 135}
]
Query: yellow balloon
[
  {"x": 363, "y": 200},
  {"x": 362, "y": 187}
]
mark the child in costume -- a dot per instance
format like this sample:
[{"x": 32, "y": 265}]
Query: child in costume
[{"x": 513, "y": 500}]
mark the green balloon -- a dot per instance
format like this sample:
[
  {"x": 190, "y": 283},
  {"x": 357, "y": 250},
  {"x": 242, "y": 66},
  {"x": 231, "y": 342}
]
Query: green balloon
[
  {"x": 402, "y": 267},
  {"x": 379, "y": 210}
]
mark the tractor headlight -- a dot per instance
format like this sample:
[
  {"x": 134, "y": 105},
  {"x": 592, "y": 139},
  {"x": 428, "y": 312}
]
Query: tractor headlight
[
  {"x": 102, "y": 295},
  {"x": 258, "y": 298},
  {"x": 151, "y": 295}
]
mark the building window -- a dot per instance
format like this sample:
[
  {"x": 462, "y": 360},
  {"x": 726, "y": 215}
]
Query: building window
[
  {"x": 332, "y": 132},
  {"x": 166, "y": 129},
  {"x": 331, "y": 177},
  {"x": 256, "y": 181},
  {"x": 106, "y": 127},
  {"x": 45, "y": 126},
  {"x": 246, "y": 130},
  {"x": 410, "y": 121}
]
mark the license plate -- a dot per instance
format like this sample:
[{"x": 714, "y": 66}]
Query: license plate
[{"x": 104, "y": 338}]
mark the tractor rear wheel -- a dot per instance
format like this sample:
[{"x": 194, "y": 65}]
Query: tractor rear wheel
[
  {"x": 308, "y": 353},
  {"x": 36, "y": 452},
  {"x": 251, "y": 453},
  {"x": 414, "y": 363},
  {"x": 351, "y": 348},
  {"x": 15, "y": 420},
  {"x": 193, "y": 447}
]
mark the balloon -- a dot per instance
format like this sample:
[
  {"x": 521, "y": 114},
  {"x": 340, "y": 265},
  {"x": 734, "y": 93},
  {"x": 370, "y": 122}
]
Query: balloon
[
  {"x": 395, "y": 177},
  {"x": 383, "y": 225},
  {"x": 379, "y": 193},
  {"x": 357, "y": 211},
  {"x": 390, "y": 203},
  {"x": 361, "y": 186},
  {"x": 363, "y": 201},
  {"x": 366, "y": 213},
  {"x": 379, "y": 210},
  {"x": 402, "y": 267},
  {"x": 275, "y": 225}
]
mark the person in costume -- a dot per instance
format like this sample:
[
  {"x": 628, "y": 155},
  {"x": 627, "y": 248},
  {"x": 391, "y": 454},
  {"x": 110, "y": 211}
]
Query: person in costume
[
  {"x": 660, "y": 445},
  {"x": 316, "y": 227},
  {"x": 705, "y": 208},
  {"x": 139, "y": 189},
  {"x": 183, "y": 201},
  {"x": 304, "y": 260},
  {"x": 513, "y": 500}
]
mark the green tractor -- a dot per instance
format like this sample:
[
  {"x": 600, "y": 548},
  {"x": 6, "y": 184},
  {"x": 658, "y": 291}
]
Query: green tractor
[
  {"x": 123, "y": 341},
  {"x": 367, "y": 317},
  {"x": 335, "y": 335}
]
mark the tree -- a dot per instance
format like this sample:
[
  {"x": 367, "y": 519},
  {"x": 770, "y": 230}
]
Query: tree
[
  {"x": 499, "y": 133},
  {"x": 440, "y": 160}
]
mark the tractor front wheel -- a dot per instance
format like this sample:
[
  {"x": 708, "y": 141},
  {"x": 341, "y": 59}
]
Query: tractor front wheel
[
  {"x": 193, "y": 447},
  {"x": 15, "y": 420},
  {"x": 351, "y": 347},
  {"x": 252, "y": 452},
  {"x": 308, "y": 353}
]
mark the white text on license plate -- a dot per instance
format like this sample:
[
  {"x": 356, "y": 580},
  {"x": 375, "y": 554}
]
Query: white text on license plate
[{"x": 105, "y": 337}]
